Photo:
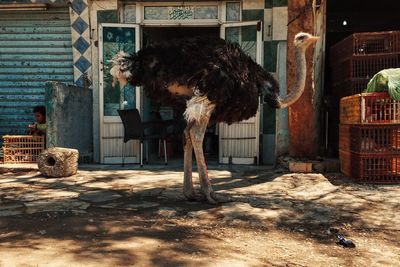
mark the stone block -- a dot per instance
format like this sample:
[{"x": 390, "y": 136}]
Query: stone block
[
  {"x": 58, "y": 162},
  {"x": 303, "y": 167}
]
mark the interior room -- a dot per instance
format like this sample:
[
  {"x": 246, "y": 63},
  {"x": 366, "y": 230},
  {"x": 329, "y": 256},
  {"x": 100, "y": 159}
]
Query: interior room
[{"x": 153, "y": 110}]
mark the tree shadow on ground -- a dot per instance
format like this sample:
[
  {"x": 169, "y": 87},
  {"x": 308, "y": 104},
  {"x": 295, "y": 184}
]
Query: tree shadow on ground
[{"x": 287, "y": 208}]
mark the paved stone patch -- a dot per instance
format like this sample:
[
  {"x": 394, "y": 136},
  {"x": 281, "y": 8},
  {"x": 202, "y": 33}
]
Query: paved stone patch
[
  {"x": 141, "y": 205},
  {"x": 99, "y": 196},
  {"x": 149, "y": 192},
  {"x": 244, "y": 211},
  {"x": 260, "y": 196},
  {"x": 10, "y": 206},
  {"x": 37, "y": 193},
  {"x": 4, "y": 213},
  {"x": 53, "y": 206},
  {"x": 166, "y": 212},
  {"x": 203, "y": 214},
  {"x": 172, "y": 194},
  {"x": 111, "y": 205}
]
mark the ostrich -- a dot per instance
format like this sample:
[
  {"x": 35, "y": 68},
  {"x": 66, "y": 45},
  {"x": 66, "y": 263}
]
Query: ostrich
[{"x": 207, "y": 79}]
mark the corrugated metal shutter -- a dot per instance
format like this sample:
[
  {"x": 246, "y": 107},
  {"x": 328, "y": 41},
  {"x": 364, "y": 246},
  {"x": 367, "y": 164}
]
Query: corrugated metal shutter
[{"x": 35, "y": 47}]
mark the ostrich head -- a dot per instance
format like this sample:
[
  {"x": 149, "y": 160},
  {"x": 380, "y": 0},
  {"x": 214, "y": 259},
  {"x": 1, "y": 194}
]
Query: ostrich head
[{"x": 303, "y": 40}]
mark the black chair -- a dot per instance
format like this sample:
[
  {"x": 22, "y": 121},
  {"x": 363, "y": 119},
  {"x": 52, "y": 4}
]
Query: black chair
[{"x": 135, "y": 129}]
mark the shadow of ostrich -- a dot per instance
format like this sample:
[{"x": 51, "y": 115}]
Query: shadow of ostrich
[{"x": 207, "y": 79}]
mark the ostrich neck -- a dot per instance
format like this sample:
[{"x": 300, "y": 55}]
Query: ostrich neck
[{"x": 297, "y": 91}]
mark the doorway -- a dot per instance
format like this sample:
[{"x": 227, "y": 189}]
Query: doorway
[
  {"x": 153, "y": 110},
  {"x": 237, "y": 143}
]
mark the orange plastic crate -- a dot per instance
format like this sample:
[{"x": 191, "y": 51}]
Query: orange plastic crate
[
  {"x": 369, "y": 108},
  {"x": 370, "y": 138},
  {"x": 22, "y": 148},
  {"x": 371, "y": 168}
]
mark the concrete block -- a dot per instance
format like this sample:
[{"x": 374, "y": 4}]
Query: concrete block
[
  {"x": 303, "y": 167},
  {"x": 70, "y": 118}
]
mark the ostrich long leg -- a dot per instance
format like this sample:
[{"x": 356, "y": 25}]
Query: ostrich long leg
[
  {"x": 197, "y": 132},
  {"x": 188, "y": 190}
]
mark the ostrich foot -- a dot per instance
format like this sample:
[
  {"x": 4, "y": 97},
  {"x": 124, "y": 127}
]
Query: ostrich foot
[
  {"x": 191, "y": 195},
  {"x": 209, "y": 196},
  {"x": 216, "y": 198}
]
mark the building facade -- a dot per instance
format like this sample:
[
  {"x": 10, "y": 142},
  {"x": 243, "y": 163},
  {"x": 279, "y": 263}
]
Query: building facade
[{"x": 72, "y": 41}]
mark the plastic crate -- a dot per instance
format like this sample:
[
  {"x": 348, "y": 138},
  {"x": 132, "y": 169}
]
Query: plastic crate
[
  {"x": 350, "y": 87},
  {"x": 22, "y": 148},
  {"x": 371, "y": 168},
  {"x": 363, "y": 67},
  {"x": 370, "y": 138},
  {"x": 367, "y": 43},
  {"x": 369, "y": 108}
]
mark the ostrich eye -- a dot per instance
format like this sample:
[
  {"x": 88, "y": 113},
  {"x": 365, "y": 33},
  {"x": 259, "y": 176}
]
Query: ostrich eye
[{"x": 301, "y": 38}]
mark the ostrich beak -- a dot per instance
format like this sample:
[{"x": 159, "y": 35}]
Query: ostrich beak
[{"x": 313, "y": 39}]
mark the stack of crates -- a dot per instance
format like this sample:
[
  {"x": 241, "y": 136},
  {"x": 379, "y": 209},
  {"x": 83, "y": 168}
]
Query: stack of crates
[
  {"x": 22, "y": 148},
  {"x": 369, "y": 138},
  {"x": 356, "y": 59}
]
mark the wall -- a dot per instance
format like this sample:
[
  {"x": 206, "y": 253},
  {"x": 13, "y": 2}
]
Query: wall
[
  {"x": 69, "y": 118},
  {"x": 274, "y": 122}
]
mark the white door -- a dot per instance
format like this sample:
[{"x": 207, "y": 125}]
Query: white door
[
  {"x": 239, "y": 142},
  {"x": 112, "y": 39}
]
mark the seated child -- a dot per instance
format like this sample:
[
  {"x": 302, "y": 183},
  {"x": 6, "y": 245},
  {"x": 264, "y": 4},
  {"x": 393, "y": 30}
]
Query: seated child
[{"x": 39, "y": 127}]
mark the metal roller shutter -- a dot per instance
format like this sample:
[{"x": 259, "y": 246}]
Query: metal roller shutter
[{"x": 35, "y": 47}]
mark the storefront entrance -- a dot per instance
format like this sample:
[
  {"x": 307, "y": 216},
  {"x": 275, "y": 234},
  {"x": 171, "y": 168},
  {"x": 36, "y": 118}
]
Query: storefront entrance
[{"x": 237, "y": 143}]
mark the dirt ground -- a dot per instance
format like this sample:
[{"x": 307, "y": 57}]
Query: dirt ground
[{"x": 139, "y": 218}]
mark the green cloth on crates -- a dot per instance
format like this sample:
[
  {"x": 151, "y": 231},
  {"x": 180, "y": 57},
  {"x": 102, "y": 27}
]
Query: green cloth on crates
[{"x": 387, "y": 80}]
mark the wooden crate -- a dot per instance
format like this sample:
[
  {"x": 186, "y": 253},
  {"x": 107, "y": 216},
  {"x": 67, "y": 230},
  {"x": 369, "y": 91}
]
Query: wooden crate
[
  {"x": 370, "y": 138},
  {"x": 371, "y": 168},
  {"x": 22, "y": 148},
  {"x": 369, "y": 108}
]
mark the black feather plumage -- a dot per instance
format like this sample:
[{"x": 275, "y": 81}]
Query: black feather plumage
[{"x": 212, "y": 67}]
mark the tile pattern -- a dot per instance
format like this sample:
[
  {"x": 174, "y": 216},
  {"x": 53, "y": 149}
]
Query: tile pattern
[
  {"x": 80, "y": 31},
  {"x": 274, "y": 28},
  {"x": 273, "y": 33}
]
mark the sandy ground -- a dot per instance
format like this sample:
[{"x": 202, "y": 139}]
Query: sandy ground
[{"x": 139, "y": 218}]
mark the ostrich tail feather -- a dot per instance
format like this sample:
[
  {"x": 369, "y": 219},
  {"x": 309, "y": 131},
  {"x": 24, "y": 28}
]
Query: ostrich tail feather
[
  {"x": 197, "y": 107},
  {"x": 121, "y": 65}
]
